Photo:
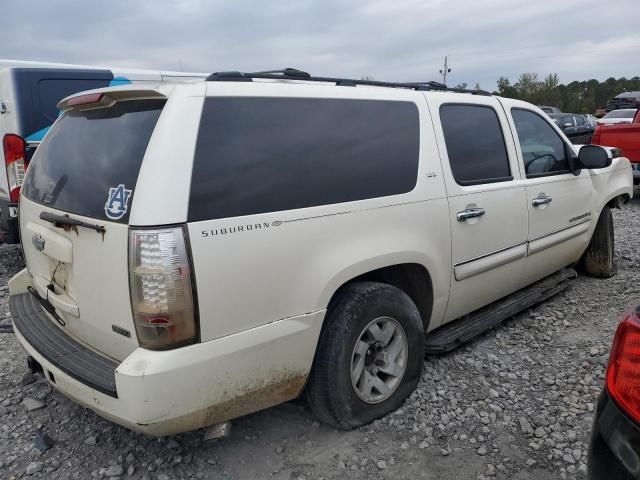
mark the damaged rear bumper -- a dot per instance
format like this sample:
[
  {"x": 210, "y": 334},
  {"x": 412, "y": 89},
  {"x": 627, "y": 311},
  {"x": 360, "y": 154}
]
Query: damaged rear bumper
[{"x": 167, "y": 392}]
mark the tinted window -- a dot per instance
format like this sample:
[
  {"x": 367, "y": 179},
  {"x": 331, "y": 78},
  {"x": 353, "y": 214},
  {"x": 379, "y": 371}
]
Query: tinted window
[
  {"x": 475, "y": 144},
  {"x": 579, "y": 120},
  {"x": 38, "y": 90},
  {"x": 256, "y": 155},
  {"x": 543, "y": 151},
  {"x": 88, "y": 152}
]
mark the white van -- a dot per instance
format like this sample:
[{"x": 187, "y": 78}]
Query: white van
[
  {"x": 197, "y": 252},
  {"x": 29, "y": 94}
]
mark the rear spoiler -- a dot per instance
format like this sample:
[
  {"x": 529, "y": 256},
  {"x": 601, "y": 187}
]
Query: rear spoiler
[{"x": 106, "y": 97}]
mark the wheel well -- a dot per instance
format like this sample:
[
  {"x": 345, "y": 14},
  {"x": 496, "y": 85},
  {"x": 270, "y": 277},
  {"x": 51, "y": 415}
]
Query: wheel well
[
  {"x": 411, "y": 278},
  {"x": 616, "y": 202}
]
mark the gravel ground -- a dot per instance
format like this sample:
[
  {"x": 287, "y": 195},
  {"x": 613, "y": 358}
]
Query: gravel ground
[{"x": 517, "y": 403}]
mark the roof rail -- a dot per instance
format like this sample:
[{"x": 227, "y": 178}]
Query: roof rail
[{"x": 295, "y": 74}]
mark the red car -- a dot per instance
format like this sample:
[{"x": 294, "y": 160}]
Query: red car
[
  {"x": 625, "y": 136},
  {"x": 614, "y": 448}
]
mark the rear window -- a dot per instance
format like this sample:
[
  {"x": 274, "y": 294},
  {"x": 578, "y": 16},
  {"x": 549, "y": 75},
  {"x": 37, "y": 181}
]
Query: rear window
[
  {"x": 256, "y": 155},
  {"x": 88, "y": 155}
]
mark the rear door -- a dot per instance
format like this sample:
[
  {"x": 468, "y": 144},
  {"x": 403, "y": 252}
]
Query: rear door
[
  {"x": 558, "y": 202},
  {"x": 87, "y": 169},
  {"x": 487, "y": 201}
]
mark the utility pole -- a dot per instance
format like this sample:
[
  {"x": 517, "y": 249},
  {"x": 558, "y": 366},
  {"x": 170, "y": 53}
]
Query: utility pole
[{"x": 445, "y": 70}]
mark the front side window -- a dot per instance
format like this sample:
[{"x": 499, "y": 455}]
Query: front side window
[
  {"x": 475, "y": 144},
  {"x": 543, "y": 150}
]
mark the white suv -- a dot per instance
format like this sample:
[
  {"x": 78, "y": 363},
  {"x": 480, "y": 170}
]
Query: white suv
[{"x": 198, "y": 252}]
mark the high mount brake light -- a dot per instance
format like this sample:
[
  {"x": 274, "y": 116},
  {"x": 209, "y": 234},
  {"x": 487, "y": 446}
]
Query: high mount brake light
[
  {"x": 85, "y": 99},
  {"x": 15, "y": 159},
  {"x": 623, "y": 371},
  {"x": 161, "y": 293}
]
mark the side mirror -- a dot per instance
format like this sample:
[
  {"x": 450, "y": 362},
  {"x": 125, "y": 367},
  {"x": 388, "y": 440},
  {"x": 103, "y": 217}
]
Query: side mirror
[{"x": 594, "y": 156}]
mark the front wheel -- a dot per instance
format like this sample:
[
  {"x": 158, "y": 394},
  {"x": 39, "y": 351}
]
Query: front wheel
[
  {"x": 369, "y": 356},
  {"x": 599, "y": 260}
]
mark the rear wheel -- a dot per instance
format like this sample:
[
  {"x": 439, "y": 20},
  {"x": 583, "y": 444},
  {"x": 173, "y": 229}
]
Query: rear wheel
[
  {"x": 369, "y": 356},
  {"x": 599, "y": 260}
]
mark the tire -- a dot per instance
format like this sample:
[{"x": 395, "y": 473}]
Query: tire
[
  {"x": 358, "y": 310},
  {"x": 599, "y": 258}
]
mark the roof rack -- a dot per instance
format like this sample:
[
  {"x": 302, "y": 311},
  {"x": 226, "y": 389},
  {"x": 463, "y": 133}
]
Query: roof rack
[{"x": 295, "y": 74}]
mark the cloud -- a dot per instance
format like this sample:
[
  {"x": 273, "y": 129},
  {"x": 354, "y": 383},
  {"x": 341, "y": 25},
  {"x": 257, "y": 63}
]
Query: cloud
[{"x": 390, "y": 40}]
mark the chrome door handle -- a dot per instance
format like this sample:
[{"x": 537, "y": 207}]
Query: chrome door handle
[
  {"x": 470, "y": 213},
  {"x": 541, "y": 200}
]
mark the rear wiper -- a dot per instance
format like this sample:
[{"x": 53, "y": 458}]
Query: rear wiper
[{"x": 68, "y": 223}]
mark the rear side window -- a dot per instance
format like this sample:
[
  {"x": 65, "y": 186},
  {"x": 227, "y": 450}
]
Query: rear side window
[
  {"x": 543, "y": 151},
  {"x": 475, "y": 144},
  {"x": 256, "y": 155},
  {"x": 88, "y": 155}
]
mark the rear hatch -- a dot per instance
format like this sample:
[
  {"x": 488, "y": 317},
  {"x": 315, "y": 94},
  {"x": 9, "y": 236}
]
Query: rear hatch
[{"x": 74, "y": 216}]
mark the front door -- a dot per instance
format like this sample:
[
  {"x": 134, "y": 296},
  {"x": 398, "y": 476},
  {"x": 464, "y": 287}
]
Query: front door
[
  {"x": 559, "y": 202},
  {"x": 487, "y": 202}
]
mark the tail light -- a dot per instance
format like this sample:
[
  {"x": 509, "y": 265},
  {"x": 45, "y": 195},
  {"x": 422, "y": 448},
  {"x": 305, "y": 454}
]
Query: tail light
[
  {"x": 623, "y": 372},
  {"x": 161, "y": 293},
  {"x": 15, "y": 159}
]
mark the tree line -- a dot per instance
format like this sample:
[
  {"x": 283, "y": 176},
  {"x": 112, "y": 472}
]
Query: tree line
[{"x": 575, "y": 97}]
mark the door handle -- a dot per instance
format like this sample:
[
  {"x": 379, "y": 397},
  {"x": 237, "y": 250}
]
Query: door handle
[
  {"x": 470, "y": 213},
  {"x": 541, "y": 200}
]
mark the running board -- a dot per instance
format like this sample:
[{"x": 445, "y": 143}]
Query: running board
[{"x": 464, "y": 329}]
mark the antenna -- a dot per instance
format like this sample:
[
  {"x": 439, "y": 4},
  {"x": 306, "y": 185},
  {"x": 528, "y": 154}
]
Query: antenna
[{"x": 445, "y": 70}]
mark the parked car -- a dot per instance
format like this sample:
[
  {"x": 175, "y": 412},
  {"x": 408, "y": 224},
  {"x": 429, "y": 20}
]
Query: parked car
[
  {"x": 618, "y": 116},
  {"x": 255, "y": 237},
  {"x": 547, "y": 109},
  {"x": 574, "y": 126},
  {"x": 623, "y": 101},
  {"x": 29, "y": 93},
  {"x": 591, "y": 119},
  {"x": 626, "y": 137},
  {"x": 614, "y": 446}
]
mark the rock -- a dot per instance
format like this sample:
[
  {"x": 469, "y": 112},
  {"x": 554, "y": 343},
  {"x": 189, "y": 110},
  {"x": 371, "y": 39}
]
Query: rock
[
  {"x": 594, "y": 351},
  {"x": 90, "y": 440},
  {"x": 279, "y": 450},
  {"x": 131, "y": 470},
  {"x": 32, "y": 404},
  {"x": 381, "y": 464},
  {"x": 482, "y": 451},
  {"x": 173, "y": 444},
  {"x": 445, "y": 452},
  {"x": 163, "y": 476},
  {"x": 404, "y": 445},
  {"x": 28, "y": 378},
  {"x": 33, "y": 467},
  {"x": 114, "y": 471},
  {"x": 42, "y": 442}
]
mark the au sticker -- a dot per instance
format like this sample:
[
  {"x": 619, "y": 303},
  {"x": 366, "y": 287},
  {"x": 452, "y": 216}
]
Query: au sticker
[{"x": 117, "y": 202}]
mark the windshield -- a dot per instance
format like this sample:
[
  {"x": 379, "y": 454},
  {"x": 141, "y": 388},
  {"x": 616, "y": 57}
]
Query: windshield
[
  {"x": 88, "y": 164},
  {"x": 626, "y": 113}
]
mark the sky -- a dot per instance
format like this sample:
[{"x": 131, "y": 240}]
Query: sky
[{"x": 395, "y": 40}]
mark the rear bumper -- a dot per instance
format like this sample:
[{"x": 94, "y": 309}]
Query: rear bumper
[
  {"x": 614, "y": 447},
  {"x": 9, "y": 229},
  {"x": 166, "y": 392}
]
